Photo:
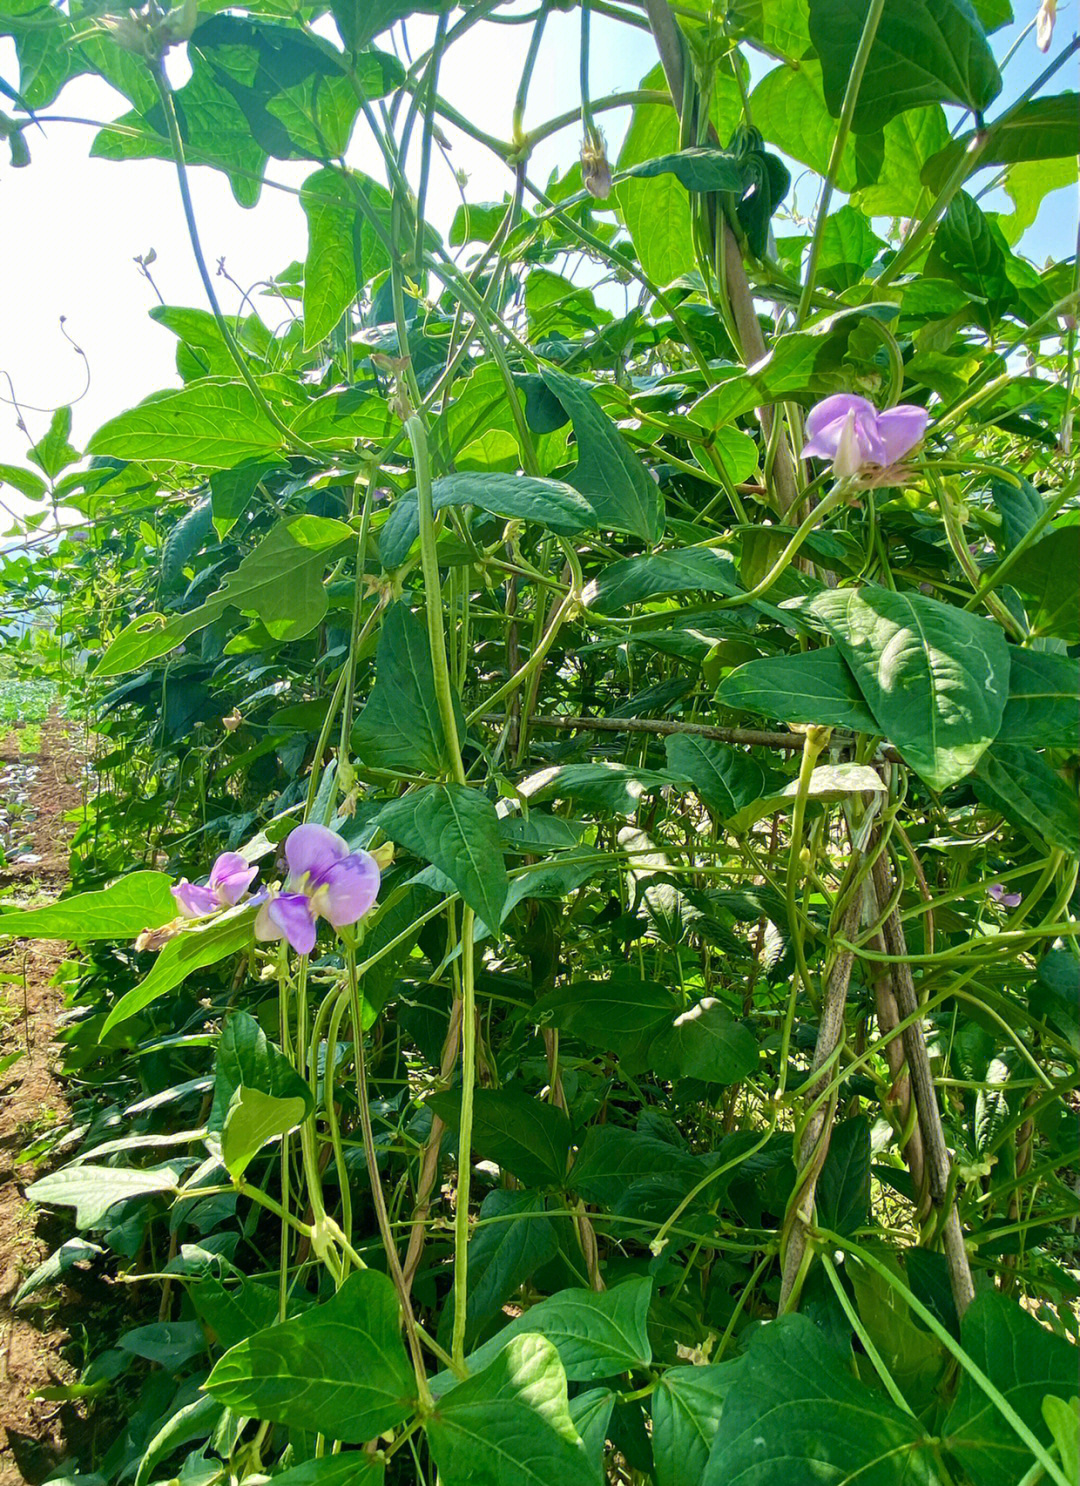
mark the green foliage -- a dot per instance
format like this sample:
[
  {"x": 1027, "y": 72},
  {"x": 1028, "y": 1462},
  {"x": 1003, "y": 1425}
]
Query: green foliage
[{"x": 591, "y": 1152}]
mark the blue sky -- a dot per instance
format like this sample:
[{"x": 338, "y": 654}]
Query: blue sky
[{"x": 73, "y": 226}]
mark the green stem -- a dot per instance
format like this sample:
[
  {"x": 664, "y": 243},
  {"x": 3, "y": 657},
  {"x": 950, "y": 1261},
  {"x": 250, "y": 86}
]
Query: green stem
[{"x": 464, "y": 1172}]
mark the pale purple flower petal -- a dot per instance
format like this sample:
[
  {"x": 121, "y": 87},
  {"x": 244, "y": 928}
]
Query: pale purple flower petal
[
  {"x": 230, "y": 877},
  {"x": 313, "y": 849},
  {"x": 996, "y": 890},
  {"x": 901, "y": 428},
  {"x": 835, "y": 409},
  {"x": 292, "y": 914},
  {"x": 348, "y": 889},
  {"x": 194, "y": 901}
]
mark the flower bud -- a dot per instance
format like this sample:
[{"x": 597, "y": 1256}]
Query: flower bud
[{"x": 595, "y": 170}]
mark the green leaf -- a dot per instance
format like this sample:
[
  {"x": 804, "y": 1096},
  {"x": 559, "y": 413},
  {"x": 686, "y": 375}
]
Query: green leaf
[
  {"x": 788, "y": 106},
  {"x": 848, "y": 247},
  {"x": 925, "y": 51},
  {"x": 616, "y": 1166},
  {"x": 212, "y": 423},
  {"x": 596, "y": 1334},
  {"x": 550, "y": 503},
  {"x": 935, "y": 677},
  {"x": 1055, "y": 994},
  {"x": 26, "y": 482},
  {"x": 55, "y": 451},
  {"x": 618, "y": 1014},
  {"x": 1047, "y": 576},
  {"x": 1029, "y": 183},
  {"x": 636, "y": 579},
  {"x": 349, "y": 1468},
  {"x": 360, "y": 21},
  {"x": 253, "y": 1119},
  {"x": 1044, "y": 700},
  {"x": 843, "y": 1191},
  {"x": 724, "y": 778},
  {"x": 231, "y": 492},
  {"x": 513, "y": 1238},
  {"x": 1060, "y": 1419},
  {"x": 1025, "y": 1363},
  {"x": 1041, "y": 129},
  {"x": 333, "y": 267},
  {"x": 1021, "y": 785},
  {"x": 910, "y": 139},
  {"x": 93, "y": 1190},
  {"x": 686, "y": 1409},
  {"x": 656, "y": 213},
  {"x": 608, "y": 473},
  {"x": 793, "y": 1399},
  {"x": 71, "y": 1252},
  {"x": 510, "y": 1424},
  {"x": 247, "y": 1058},
  {"x": 340, "y": 1368},
  {"x": 968, "y": 251},
  {"x": 604, "y": 786},
  {"x": 400, "y": 726},
  {"x": 192, "y": 949},
  {"x": 702, "y": 168},
  {"x": 142, "y": 900},
  {"x": 913, "y": 1355},
  {"x": 529, "y": 1139},
  {"x": 457, "y": 830},
  {"x": 1020, "y": 506},
  {"x": 816, "y": 687},
  {"x": 281, "y": 582},
  {"x": 705, "y": 1042}
]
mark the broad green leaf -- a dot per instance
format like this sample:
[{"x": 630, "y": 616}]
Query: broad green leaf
[
  {"x": 608, "y": 473},
  {"x": 910, "y": 139},
  {"x": 603, "y": 786},
  {"x": 925, "y": 51},
  {"x": 656, "y": 213},
  {"x": 616, "y": 1165},
  {"x": 1028, "y": 184},
  {"x": 617, "y": 1014},
  {"x": 526, "y": 1137},
  {"x": 340, "y": 1368},
  {"x": 26, "y": 482},
  {"x": 1020, "y": 506},
  {"x": 725, "y": 778},
  {"x": 349, "y": 1468},
  {"x": 168, "y": 1343},
  {"x": 512, "y": 1239},
  {"x": 233, "y": 1312},
  {"x": 203, "y": 351},
  {"x": 1020, "y": 784},
  {"x": 400, "y": 726},
  {"x": 192, "y": 949},
  {"x": 456, "y": 830},
  {"x": 843, "y": 1190},
  {"x": 935, "y": 677},
  {"x": 212, "y": 423},
  {"x": 550, "y": 503},
  {"x": 793, "y": 1399},
  {"x": 705, "y": 1042},
  {"x": 510, "y": 1424},
  {"x": 636, "y": 579},
  {"x": 231, "y": 492},
  {"x": 71, "y": 1252},
  {"x": 1044, "y": 700},
  {"x": 142, "y": 900},
  {"x": 815, "y": 686},
  {"x": 968, "y": 251},
  {"x": 93, "y": 1190},
  {"x": 1041, "y": 129},
  {"x": 193, "y": 1421},
  {"x": 702, "y": 168},
  {"x": 1025, "y": 1363},
  {"x": 253, "y": 1119},
  {"x": 281, "y": 582},
  {"x": 55, "y": 451},
  {"x": 1047, "y": 576},
  {"x": 247, "y": 1058},
  {"x": 1055, "y": 993},
  {"x": 788, "y": 106},
  {"x": 848, "y": 247},
  {"x": 913, "y": 1355},
  {"x": 779, "y": 27},
  {"x": 591, "y": 1412},
  {"x": 596, "y": 1334},
  {"x": 333, "y": 267},
  {"x": 686, "y": 1409},
  {"x": 360, "y": 21}
]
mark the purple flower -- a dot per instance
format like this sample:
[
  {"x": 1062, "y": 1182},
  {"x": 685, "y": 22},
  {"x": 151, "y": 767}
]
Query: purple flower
[
  {"x": 230, "y": 878},
  {"x": 996, "y": 890},
  {"x": 326, "y": 880},
  {"x": 851, "y": 433}
]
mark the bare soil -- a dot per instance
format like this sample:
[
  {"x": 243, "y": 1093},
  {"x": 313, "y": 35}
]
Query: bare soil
[{"x": 37, "y": 1436}]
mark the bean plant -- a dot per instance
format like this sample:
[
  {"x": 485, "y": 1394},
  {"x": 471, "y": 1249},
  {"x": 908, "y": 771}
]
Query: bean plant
[{"x": 577, "y": 902}]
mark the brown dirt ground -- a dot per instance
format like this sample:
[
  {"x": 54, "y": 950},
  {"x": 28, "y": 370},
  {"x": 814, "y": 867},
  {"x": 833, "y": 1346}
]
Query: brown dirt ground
[{"x": 36, "y": 1436}]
